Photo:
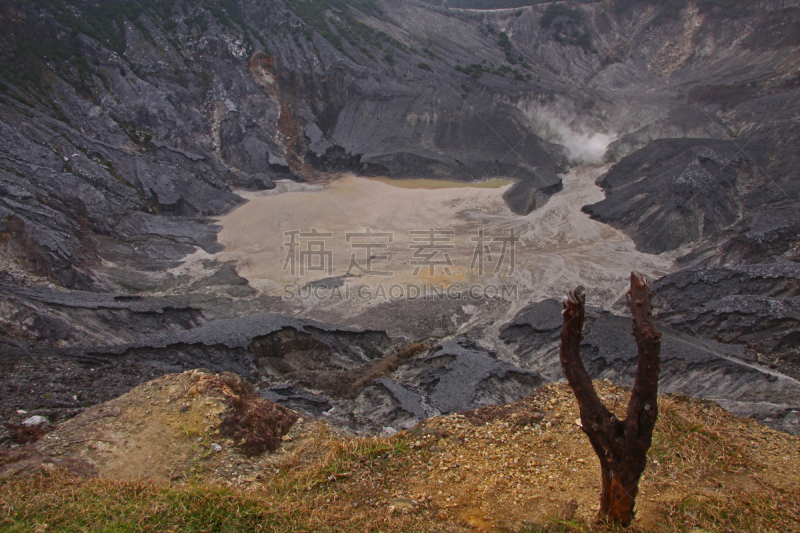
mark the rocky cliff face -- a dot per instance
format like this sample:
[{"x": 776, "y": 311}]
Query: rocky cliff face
[
  {"x": 712, "y": 163},
  {"x": 125, "y": 128},
  {"x": 187, "y": 103},
  {"x": 115, "y": 114}
]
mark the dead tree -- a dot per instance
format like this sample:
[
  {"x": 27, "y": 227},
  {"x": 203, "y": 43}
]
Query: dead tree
[{"x": 621, "y": 445}]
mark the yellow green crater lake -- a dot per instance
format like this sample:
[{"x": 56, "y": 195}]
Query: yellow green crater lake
[{"x": 423, "y": 183}]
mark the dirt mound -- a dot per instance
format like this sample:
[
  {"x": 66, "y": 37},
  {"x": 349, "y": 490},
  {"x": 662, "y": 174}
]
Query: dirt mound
[{"x": 163, "y": 429}]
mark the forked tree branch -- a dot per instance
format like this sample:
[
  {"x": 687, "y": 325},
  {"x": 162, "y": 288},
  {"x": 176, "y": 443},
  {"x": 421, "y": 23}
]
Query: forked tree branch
[
  {"x": 643, "y": 406},
  {"x": 621, "y": 445}
]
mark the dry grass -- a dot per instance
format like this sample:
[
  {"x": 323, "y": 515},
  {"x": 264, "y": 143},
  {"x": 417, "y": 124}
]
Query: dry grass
[
  {"x": 708, "y": 471},
  {"x": 738, "y": 511},
  {"x": 717, "y": 472},
  {"x": 307, "y": 492}
]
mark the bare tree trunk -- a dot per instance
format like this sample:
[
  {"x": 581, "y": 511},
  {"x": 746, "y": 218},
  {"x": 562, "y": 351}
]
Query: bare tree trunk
[{"x": 621, "y": 445}]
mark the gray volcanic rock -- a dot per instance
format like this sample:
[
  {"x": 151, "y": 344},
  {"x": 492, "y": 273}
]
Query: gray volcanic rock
[
  {"x": 298, "y": 399},
  {"x": 392, "y": 404},
  {"x": 459, "y": 377},
  {"x": 58, "y": 318},
  {"x": 415, "y": 319},
  {"x": 456, "y": 376},
  {"x": 772, "y": 232},
  {"x": 757, "y": 306},
  {"x": 689, "y": 365},
  {"x": 96, "y": 191},
  {"x": 182, "y": 232},
  {"x": 734, "y": 199},
  {"x": 525, "y": 196},
  {"x": 673, "y": 192},
  {"x": 269, "y": 349},
  {"x": 259, "y": 182},
  {"x": 692, "y": 287},
  {"x": 535, "y": 327},
  {"x": 228, "y": 280},
  {"x": 321, "y": 368},
  {"x": 439, "y": 135},
  {"x": 238, "y": 333},
  {"x": 767, "y": 325},
  {"x": 92, "y": 300},
  {"x": 680, "y": 122},
  {"x": 64, "y": 386}
]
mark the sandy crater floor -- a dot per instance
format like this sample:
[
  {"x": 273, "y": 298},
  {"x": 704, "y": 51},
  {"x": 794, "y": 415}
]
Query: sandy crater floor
[{"x": 559, "y": 247}]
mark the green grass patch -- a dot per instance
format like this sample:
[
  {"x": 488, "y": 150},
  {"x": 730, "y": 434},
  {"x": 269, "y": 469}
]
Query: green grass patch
[
  {"x": 296, "y": 497},
  {"x": 67, "y": 504}
]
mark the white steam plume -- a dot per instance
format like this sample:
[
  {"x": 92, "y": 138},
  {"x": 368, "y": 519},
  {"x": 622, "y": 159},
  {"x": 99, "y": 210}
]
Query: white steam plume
[{"x": 580, "y": 146}]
